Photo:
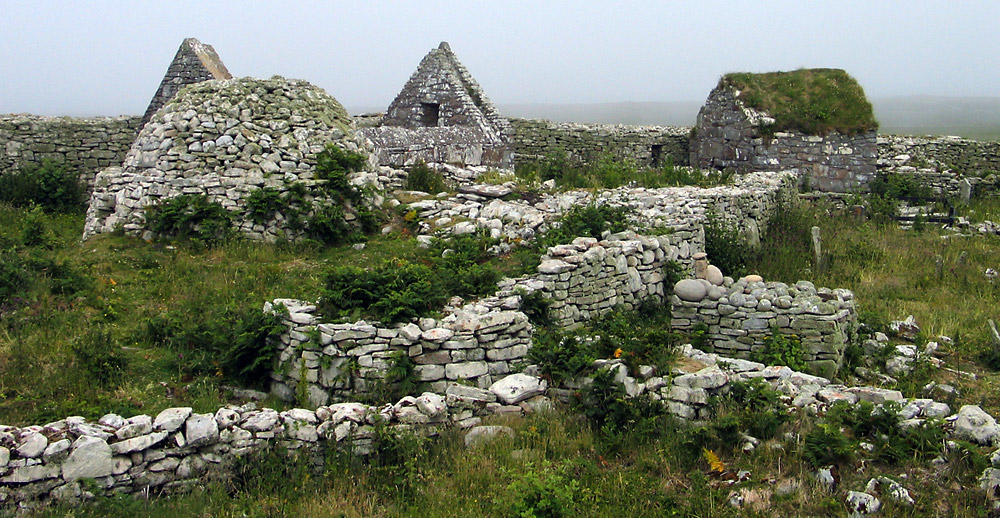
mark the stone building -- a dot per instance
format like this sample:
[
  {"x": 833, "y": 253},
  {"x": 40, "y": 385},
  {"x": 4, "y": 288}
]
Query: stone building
[
  {"x": 442, "y": 116},
  {"x": 194, "y": 62},
  {"x": 769, "y": 122}
]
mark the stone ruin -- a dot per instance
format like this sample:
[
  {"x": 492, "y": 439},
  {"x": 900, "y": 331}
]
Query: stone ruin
[
  {"x": 224, "y": 140},
  {"x": 442, "y": 116},
  {"x": 731, "y": 134},
  {"x": 194, "y": 62}
]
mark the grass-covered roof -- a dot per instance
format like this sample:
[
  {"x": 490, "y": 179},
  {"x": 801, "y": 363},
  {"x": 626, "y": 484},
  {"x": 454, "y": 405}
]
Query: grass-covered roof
[{"x": 811, "y": 100}]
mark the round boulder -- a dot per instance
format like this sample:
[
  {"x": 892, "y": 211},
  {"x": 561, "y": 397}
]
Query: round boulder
[{"x": 691, "y": 290}]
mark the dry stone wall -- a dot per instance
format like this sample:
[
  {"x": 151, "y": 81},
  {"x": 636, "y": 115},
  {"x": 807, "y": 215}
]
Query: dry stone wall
[
  {"x": 85, "y": 144},
  {"x": 76, "y": 459},
  {"x": 476, "y": 344},
  {"x": 224, "y": 140},
  {"x": 728, "y": 134},
  {"x": 943, "y": 164},
  {"x": 740, "y": 315},
  {"x": 645, "y": 145}
]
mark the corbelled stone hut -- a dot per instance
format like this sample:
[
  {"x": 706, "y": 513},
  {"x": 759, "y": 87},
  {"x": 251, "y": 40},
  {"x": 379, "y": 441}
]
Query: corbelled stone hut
[{"x": 815, "y": 121}]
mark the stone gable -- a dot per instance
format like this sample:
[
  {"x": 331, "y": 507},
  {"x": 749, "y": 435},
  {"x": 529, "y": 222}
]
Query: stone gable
[{"x": 194, "y": 62}]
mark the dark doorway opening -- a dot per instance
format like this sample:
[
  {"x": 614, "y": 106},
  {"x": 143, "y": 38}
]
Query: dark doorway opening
[
  {"x": 429, "y": 113},
  {"x": 656, "y": 155}
]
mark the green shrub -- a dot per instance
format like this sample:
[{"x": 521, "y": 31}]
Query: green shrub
[
  {"x": 333, "y": 164},
  {"x": 591, "y": 220},
  {"x": 190, "y": 216},
  {"x": 236, "y": 342},
  {"x": 51, "y": 185},
  {"x": 726, "y": 248},
  {"x": 544, "y": 492},
  {"x": 781, "y": 349},
  {"x": 758, "y": 408},
  {"x": 826, "y": 444},
  {"x": 397, "y": 290},
  {"x": 14, "y": 275},
  {"x": 560, "y": 356},
  {"x": 615, "y": 415},
  {"x": 263, "y": 203},
  {"x": 424, "y": 179}
]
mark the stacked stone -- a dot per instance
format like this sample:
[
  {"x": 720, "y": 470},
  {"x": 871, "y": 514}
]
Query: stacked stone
[
  {"x": 747, "y": 205},
  {"x": 589, "y": 278},
  {"x": 404, "y": 147},
  {"x": 194, "y": 62},
  {"x": 223, "y": 139},
  {"x": 86, "y": 145},
  {"x": 728, "y": 134},
  {"x": 741, "y": 314},
  {"x": 645, "y": 145},
  {"x": 179, "y": 448},
  {"x": 478, "y": 344},
  {"x": 972, "y": 157}
]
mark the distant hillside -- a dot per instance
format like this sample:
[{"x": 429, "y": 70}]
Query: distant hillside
[{"x": 969, "y": 117}]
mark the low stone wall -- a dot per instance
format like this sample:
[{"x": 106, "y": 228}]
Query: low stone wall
[
  {"x": 73, "y": 459},
  {"x": 85, "y": 144},
  {"x": 344, "y": 361},
  {"x": 646, "y": 145},
  {"x": 970, "y": 157},
  {"x": 948, "y": 166},
  {"x": 740, "y": 315}
]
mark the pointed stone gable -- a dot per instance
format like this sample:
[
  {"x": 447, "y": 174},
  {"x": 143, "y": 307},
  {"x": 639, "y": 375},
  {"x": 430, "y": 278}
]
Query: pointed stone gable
[
  {"x": 194, "y": 62},
  {"x": 442, "y": 93}
]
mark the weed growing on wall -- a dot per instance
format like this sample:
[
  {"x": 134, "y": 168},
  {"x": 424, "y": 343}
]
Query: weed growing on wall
[
  {"x": 813, "y": 101},
  {"x": 607, "y": 171},
  {"x": 51, "y": 185},
  {"x": 590, "y": 220},
  {"x": 424, "y": 179},
  {"x": 780, "y": 349}
]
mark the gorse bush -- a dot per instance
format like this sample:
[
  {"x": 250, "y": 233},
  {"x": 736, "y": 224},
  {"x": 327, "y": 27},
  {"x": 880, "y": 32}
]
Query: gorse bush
[
  {"x": 424, "y": 179},
  {"x": 51, "y": 185}
]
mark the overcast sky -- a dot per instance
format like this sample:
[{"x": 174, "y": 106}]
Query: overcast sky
[{"x": 107, "y": 58}]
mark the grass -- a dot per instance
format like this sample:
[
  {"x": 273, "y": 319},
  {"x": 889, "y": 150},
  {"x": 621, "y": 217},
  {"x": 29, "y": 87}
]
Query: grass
[
  {"x": 892, "y": 273},
  {"x": 655, "y": 471},
  {"x": 606, "y": 171},
  {"x": 815, "y": 101}
]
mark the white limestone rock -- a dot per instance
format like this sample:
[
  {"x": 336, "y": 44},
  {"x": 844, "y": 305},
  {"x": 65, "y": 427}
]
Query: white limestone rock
[
  {"x": 201, "y": 430},
  {"x": 517, "y": 387},
  {"x": 171, "y": 419},
  {"x": 91, "y": 458},
  {"x": 975, "y": 425}
]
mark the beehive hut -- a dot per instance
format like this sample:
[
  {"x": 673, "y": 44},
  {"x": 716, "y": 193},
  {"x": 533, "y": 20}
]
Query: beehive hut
[
  {"x": 194, "y": 62},
  {"x": 815, "y": 121},
  {"x": 442, "y": 115},
  {"x": 224, "y": 140}
]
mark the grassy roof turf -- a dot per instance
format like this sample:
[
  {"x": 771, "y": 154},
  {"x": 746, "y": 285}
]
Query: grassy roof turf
[{"x": 815, "y": 101}]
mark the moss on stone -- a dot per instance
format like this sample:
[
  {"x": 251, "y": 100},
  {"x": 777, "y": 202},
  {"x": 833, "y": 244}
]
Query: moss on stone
[{"x": 814, "y": 101}]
